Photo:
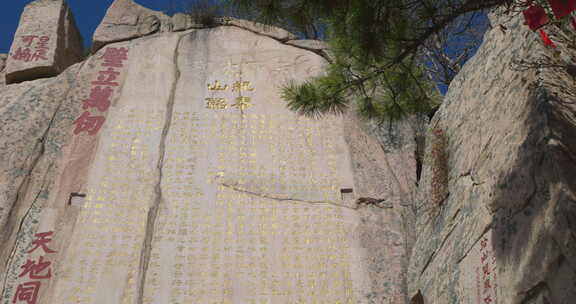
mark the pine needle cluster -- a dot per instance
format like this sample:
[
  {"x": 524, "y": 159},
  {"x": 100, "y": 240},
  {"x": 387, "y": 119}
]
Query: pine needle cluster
[{"x": 379, "y": 66}]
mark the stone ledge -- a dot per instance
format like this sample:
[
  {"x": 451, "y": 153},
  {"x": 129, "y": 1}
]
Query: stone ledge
[
  {"x": 313, "y": 45},
  {"x": 317, "y": 46},
  {"x": 258, "y": 28}
]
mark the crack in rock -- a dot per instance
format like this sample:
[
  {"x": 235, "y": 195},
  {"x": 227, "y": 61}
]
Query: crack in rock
[
  {"x": 154, "y": 209},
  {"x": 286, "y": 199},
  {"x": 363, "y": 201}
]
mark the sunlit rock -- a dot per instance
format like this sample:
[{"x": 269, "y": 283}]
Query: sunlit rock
[{"x": 505, "y": 231}]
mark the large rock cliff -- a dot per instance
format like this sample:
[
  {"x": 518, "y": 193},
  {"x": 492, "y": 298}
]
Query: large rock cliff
[{"x": 165, "y": 168}]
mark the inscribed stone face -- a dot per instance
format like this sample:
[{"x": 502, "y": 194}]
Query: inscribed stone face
[
  {"x": 45, "y": 43},
  {"x": 252, "y": 209},
  {"x": 205, "y": 188},
  {"x": 479, "y": 273},
  {"x": 106, "y": 244}
]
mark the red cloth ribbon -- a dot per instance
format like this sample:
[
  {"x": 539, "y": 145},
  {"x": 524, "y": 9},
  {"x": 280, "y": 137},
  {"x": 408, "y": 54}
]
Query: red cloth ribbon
[
  {"x": 562, "y": 8},
  {"x": 536, "y": 17},
  {"x": 546, "y": 39}
]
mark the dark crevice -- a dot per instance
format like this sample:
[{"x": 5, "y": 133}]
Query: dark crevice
[
  {"x": 419, "y": 155},
  {"x": 541, "y": 289}
]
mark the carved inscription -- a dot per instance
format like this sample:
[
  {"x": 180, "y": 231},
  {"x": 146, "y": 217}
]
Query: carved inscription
[
  {"x": 478, "y": 279},
  {"x": 224, "y": 238},
  {"x": 101, "y": 92},
  {"x": 34, "y": 48},
  {"x": 245, "y": 213},
  {"x": 486, "y": 274},
  {"x": 35, "y": 270},
  {"x": 110, "y": 229},
  {"x": 240, "y": 102},
  {"x": 479, "y": 273},
  {"x": 240, "y": 89}
]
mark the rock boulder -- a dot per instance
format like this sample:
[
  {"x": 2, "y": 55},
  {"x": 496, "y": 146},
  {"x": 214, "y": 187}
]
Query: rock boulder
[
  {"x": 47, "y": 41},
  {"x": 127, "y": 20}
]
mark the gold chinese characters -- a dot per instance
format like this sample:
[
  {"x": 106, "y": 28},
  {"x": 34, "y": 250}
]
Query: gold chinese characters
[{"x": 220, "y": 103}]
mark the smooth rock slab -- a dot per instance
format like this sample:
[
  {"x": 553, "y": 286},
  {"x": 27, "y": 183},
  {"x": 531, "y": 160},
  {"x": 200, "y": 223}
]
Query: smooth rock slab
[
  {"x": 47, "y": 41},
  {"x": 255, "y": 223}
]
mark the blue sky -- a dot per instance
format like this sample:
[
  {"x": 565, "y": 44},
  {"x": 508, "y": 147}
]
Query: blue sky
[{"x": 88, "y": 14}]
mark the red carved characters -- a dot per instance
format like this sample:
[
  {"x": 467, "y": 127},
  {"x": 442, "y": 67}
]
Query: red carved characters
[
  {"x": 106, "y": 78},
  {"x": 26, "y": 54},
  {"x": 22, "y": 54},
  {"x": 113, "y": 57},
  {"x": 27, "y": 292},
  {"x": 99, "y": 98},
  {"x": 35, "y": 269},
  {"x": 101, "y": 92},
  {"x": 41, "y": 241},
  {"x": 88, "y": 123},
  {"x": 39, "y": 269},
  {"x": 486, "y": 274}
]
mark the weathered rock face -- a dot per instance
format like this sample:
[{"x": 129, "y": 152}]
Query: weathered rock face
[
  {"x": 46, "y": 42},
  {"x": 166, "y": 169},
  {"x": 505, "y": 233},
  {"x": 384, "y": 165}
]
